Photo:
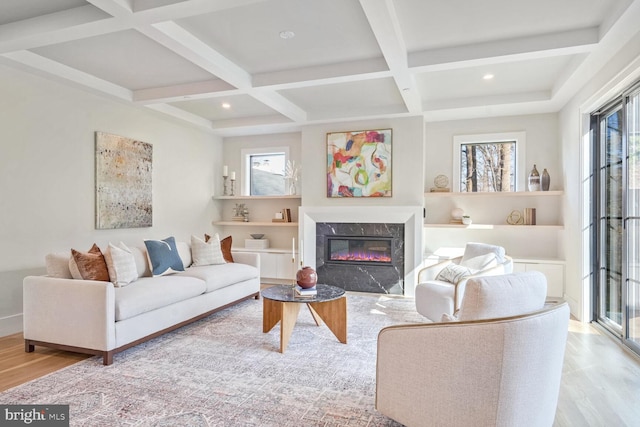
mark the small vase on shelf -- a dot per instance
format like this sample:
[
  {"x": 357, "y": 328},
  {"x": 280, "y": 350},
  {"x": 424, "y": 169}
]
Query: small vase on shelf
[
  {"x": 545, "y": 180},
  {"x": 534, "y": 179}
]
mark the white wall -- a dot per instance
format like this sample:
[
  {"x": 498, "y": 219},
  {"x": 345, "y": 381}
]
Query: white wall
[
  {"x": 618, "y": 73},
  {"x": 47, "y": 180}
]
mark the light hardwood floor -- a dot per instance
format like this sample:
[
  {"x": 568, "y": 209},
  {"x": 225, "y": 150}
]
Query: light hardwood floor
[{"x": 600, "y": 383}]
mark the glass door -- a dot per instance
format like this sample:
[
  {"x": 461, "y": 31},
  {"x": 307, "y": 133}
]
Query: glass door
[
  {"x": 610, "y": 219},
  {"x": 632, "y": 220},
  {"x": 616, "y": 130}
]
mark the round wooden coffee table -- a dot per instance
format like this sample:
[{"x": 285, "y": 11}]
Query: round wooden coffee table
[{"x": 282, "y": 304}]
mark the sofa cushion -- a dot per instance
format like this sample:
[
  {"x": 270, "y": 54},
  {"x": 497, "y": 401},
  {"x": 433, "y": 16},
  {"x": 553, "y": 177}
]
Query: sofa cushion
[
  {"x": 150, "y": 293},
  {"x": 453, "y": 273},
  {"x": 121, "y": 264},
  {"x": 184, "y": 250},
  {"x": 502, "y": 296},
  {"x": 206, "y": 253},
  {"x": 225, "y": 246},
  {"x": 89, "y": 265},
  {"x": 222, "y": 275},
  {"x": 57, "y": 264},
  {"x": 163, "y": 256},
  {"x": 142, "y": 261}
]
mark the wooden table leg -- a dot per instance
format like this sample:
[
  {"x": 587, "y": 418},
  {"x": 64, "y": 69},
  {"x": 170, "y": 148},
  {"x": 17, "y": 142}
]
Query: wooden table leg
[
  {"x": 290, "y": 312},
  {"x": 315, "y": 316},
  {"x": 334, "y": 315}
]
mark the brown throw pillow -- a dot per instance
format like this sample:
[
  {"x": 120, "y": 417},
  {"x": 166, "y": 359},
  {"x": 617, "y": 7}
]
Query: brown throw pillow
[
  {"x": 225, "y": 246},
  {"x": 91, "y": 265}
]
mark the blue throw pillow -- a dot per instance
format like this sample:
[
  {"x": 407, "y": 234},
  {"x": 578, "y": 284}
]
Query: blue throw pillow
[{"x": 163, "y": 256}]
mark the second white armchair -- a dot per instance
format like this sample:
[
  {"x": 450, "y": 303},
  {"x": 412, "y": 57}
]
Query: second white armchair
[{"x": 441, "y": 286}]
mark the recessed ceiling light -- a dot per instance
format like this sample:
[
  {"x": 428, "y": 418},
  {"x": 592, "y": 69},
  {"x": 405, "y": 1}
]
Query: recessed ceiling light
[
  {"x": 286, "y": 34},
  {"x": 226, "y": 105},
  {"x": 488, "y": 76}
]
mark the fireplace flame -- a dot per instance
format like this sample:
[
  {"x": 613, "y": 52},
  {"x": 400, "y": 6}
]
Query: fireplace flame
[{"x": 361, "y": 256}]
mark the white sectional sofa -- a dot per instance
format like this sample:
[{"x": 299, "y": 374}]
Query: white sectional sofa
[{"x": 97, "y": 317}]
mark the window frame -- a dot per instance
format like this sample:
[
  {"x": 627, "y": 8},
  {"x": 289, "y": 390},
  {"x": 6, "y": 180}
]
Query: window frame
[
  {"x": 245, "y": 165},
  {"x": 487, "y": 138}
]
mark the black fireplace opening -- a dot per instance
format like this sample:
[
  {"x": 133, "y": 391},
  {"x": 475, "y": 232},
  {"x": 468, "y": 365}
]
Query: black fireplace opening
[{"x": 359, "y": 250}]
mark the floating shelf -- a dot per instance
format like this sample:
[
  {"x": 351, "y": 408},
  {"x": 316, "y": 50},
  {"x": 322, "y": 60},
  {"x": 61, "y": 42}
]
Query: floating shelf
[
  {"x": 256, "y": 223},
  {"x": 495, "y": 226},
  {"x": 297, "y": 196},
  {"x": 496, "y": 194}
]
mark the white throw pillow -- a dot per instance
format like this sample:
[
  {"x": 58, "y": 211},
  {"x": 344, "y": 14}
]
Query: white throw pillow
[
  {"x": 206, "y": 253},
  {"x": 58, "y": 265},
  {"x": 121, "y": 264},
  {"x": 453, "y": 273}
]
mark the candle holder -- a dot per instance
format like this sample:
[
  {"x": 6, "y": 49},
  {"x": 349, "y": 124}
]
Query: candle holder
[
  {"x": 232, "y": 182},
  {"x": 225, "y": 193}
]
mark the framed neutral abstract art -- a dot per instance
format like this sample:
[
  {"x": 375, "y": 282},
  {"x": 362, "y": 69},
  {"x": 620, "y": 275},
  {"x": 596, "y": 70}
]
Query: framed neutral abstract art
[
  {"x": 359, "y": 163},
  {"x": 123, "y": 182}
]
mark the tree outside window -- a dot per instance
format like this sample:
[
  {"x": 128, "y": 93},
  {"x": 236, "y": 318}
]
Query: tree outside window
[{"x": 488, "y": 166}]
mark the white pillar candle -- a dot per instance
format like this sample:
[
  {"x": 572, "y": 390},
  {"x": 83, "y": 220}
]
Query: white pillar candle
[
  {"x": 225, "y": 170},
  {"x": 233, "y": 175},
  {"x": 301, "y": 256},
  {"x": 293, "y": 248}
]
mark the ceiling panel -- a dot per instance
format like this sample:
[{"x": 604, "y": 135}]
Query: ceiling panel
[
  {"x": 326, "y": 32},
  {"x": 242, "y": 106},
  {"x": 509, "y": 78},
  {"x": 429, "y": 24},
  {"x": 126, "y": 58},
  {"x": 357, "y": 97},
  {"x": 17, "y": 10}
]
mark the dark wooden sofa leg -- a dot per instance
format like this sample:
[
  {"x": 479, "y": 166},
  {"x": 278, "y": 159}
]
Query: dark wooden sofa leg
[
  {"x": 28, "y": 347},
  {"x": 107, "y": 358}
]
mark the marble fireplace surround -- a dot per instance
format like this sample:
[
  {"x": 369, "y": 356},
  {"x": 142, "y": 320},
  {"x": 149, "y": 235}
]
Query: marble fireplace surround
[{"x": 410, "y": 216}]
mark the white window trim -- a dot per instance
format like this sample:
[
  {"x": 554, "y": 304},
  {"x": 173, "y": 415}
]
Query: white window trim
[
  {"x": 519, "y": 137},
  {"x": 245, "y": 168}
]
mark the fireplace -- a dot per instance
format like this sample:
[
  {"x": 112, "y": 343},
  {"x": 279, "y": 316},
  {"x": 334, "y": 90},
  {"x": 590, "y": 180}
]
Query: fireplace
[
  {"x": 362, "y": 257},
  {"x": 358, "y": 250}
]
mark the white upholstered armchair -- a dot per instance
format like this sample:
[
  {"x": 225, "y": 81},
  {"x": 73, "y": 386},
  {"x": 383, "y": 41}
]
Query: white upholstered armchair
[
  {"x": 441, "y": 286},
  {"x": 501, "y": 369}
]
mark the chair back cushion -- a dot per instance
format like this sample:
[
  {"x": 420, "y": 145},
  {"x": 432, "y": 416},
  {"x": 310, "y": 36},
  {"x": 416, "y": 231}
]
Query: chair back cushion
[
  {"x": 481, "y": 256},
  {"x": 488, "y": 297}
]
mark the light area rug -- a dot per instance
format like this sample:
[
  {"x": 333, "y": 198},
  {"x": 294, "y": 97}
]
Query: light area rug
[{"x": 223, "y": 371}]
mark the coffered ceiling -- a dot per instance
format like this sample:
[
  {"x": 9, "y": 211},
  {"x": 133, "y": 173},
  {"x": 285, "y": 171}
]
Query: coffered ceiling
[{"x": 347, "y": 59}]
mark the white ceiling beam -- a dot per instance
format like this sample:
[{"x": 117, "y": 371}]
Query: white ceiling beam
[
  {"x": 68, "y": 74},
  {"x": 188, "y": 91},
  {"x": 59, "y": 27},
  {"x": 279, "y": 103},
  {"x": 174, "y": 37},
  {"x": 116, "y": 8},
  {"x": 516, "y": 49},
  {"x": 151, "y": 13},
  {"x": 182, "y": 115},
  {"x": 385, "y": 25},
  {"x": 506, "y": 99}
]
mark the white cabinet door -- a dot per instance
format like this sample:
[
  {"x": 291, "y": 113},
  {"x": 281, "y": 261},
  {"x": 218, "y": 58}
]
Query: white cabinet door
[
  {"x": 268, "y": 265},
  {"x": 286, "y": 268},
  {"x": 553, "y": 271}
]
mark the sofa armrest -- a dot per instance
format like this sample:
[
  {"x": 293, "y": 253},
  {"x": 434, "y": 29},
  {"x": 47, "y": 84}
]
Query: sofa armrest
[
  {"x": 250, "y": 258},
  {"x": 78, "y": 313}
]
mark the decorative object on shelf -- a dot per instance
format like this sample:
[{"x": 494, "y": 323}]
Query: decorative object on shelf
[
  {"x": 515, "y": 218},
  {"x": 240, "y": 213},
  {"x": 225, "y": 175},
  {"x": 441, "y": 183},
  {"x": 256, "y": 243},
  {"x": 306, "y": 277},
  {"x": 233, "y": 180},
  {"x": 257, "y": 235},
  {"x": 123, "y": 182},
  {"x": 466, "y": 220},
  {"x": 545, "y": 180},
  {"x": 456, "y": 216},
  {"x": 534, "y": 179},
  {"x": 292, "y": 173},
  {"x": 529, "y": 216},
  {"x": 359, "y": 163}
]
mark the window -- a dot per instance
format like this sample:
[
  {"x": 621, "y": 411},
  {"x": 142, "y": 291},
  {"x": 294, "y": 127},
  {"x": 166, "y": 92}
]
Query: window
[
  {"x": 263, "y": 171},
  {"x": 488, "y": 162}
]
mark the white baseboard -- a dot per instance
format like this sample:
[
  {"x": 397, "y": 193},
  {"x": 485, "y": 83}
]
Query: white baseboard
[{"x": 10, "y": 325}]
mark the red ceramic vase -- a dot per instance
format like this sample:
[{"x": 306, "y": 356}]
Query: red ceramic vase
[{"x": 306, "y": 277}]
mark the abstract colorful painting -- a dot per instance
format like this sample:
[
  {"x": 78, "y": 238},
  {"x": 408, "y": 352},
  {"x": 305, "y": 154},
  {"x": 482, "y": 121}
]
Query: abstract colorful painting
[
  {"x": 359, "y": 163},
  {"x": 123, "y": 182}
]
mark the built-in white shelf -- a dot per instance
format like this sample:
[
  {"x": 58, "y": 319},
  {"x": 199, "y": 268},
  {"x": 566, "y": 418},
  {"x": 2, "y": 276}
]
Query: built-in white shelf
[
  {"x": 266, "y": 251},
  {"x": 495, "y": 226},
  {"x": 257, "y": 197},
  {"x": 256, "y": 223},
  {"x": 496, "y": 194}
]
